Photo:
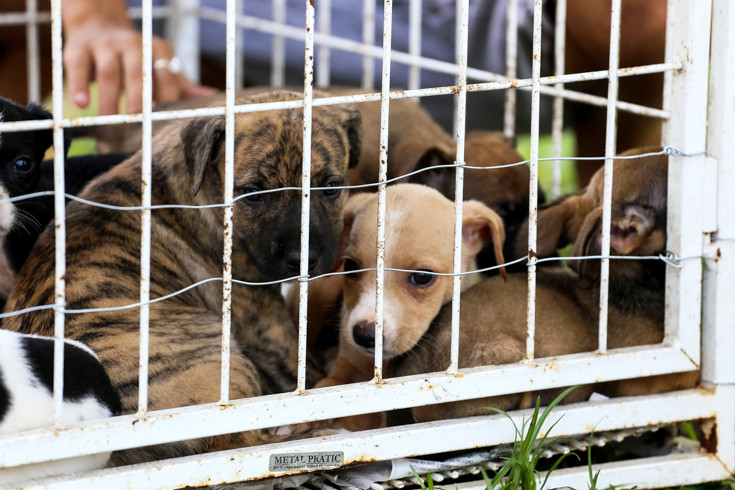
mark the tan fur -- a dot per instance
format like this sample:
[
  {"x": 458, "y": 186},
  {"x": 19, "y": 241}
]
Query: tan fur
[
  {"x": 493, "y": 313},
  {"x": 103, "y": 265},
  {"x": 419, "y": 236}
]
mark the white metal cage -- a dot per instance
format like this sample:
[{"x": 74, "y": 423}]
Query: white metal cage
[{"x": 698, "y": 114}]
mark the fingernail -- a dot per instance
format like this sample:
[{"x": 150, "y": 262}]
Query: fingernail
[{"x": 81, "y": 99}]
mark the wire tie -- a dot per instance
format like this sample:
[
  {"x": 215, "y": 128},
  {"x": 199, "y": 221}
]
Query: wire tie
[
  {"x": 671, "y": 259},
  {"x": 673, "y": 151}
]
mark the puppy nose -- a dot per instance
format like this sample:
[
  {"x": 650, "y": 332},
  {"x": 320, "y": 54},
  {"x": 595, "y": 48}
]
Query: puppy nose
[
  {"x": 293, "y": 260},
  {"x": 364, "y": 334}
]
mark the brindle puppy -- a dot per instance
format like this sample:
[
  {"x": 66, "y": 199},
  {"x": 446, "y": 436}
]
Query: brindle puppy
[{"x": 103, "y": 261}]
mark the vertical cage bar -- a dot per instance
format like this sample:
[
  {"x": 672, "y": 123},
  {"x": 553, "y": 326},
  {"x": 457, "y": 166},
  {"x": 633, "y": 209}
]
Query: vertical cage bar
[
  {"x": 718, "y": 363},
  {"x": 511, "y": 67},
  {"x": 382, "y": 176},
  {"x": 462, "y": 45},
  {"x": 231, "y": 33},
  {"x": 278, "y": 69},
  {"x": 184, "y": 35},
  {"x": 533, "y": 184},
  {"x": 610, "y": 134},
  {"x": 718, "y": 295},
  {"x": 145, "y": 214},
  {"x": 239, "y": 50},
  {"x": 306, "y": 191},
  {"x": 557, "y": 129},
  {"x": 325, "y": 27},
  {"x": 686, "y": 42},
  {"x": 414, "y": 42},
  {"x": 368, "y": 38},
  {"x": 34, "y": 58},
  {"x": 59, "y": 204}
]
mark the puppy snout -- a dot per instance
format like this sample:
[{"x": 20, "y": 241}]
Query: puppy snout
[
  {"x": 293, "y": 260},
  {"x": 364, "y": 334}
]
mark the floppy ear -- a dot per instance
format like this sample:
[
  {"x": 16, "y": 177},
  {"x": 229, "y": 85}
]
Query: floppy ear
[
  {"x": 478, "y": 223},
  {"x": 559, "y": 223},
  {"x": 353, "y": 206},
  {"x": 352, "y": 122},
  {"x": 634, "y": 228},
  {"x": 45, "y": 136},
  {"x": 407, "y": 157},
  {"x": 202, "y": 140}
]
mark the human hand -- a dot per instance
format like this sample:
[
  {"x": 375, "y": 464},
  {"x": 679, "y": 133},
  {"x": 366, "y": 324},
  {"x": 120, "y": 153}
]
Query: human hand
[{"x": 105, "y": 47}]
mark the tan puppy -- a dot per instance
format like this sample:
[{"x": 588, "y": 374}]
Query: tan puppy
[
  {"x": 103, "y": 261},
  {"x": 567, "y": 304},
  {"x": 419, "y": 237}
]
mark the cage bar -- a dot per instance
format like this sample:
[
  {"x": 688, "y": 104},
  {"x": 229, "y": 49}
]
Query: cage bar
[
  {"x": 610, "y": 135},
  {"x": 533, "y": 181},
  {"x": 59, "y": 214},
  {"x": 511, "y": 67},
  {"x": 463, "y": 20},
  {"x": 557, "y": 129},
  {"x": 687, "y": 20},
  {"x": 145, "y": 214},
  {"x": 368, "y": 39}
]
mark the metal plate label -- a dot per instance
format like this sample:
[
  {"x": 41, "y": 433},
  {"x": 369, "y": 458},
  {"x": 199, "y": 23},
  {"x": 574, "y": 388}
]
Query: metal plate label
[{"x": 306, "y": 461}]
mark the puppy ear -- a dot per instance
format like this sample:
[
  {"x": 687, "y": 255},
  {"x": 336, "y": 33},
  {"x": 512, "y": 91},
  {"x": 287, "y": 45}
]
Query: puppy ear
[
  {"x": 634, "y": 228},
  {"x": 46, "y": 136},
  {"x": 202, "y": 139},
  {"x": 354, "y": 204},
  {"x": 559, "y": 223},
  {"x": 407, "y": 157},
  {"x": 352, "y": 122},
  {"x": 478, "y": 223}
]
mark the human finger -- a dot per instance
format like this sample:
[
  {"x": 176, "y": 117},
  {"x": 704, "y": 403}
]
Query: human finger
[
  {"x": 132, "y": 63},
  {"x": 107, "y": 71},
  {"x": 78, "y": 67}
]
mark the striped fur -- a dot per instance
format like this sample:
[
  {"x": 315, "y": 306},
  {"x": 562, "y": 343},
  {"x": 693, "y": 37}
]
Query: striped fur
[{"x": 103, "y": 261}]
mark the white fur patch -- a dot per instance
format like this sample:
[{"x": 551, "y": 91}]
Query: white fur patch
[
  {"x": 31, "y": 407},
  {"x": 7, "y": 210}
]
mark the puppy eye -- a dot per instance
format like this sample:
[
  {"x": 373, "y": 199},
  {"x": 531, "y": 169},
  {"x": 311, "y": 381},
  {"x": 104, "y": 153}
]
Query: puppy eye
[
  {"x": 332, "y": 189},
  {"x": 350, "y": 267},
  {"x": 23, "y": 164},
  {"x": 247, "y": 190},
  {"x": 422, "y": 279}
]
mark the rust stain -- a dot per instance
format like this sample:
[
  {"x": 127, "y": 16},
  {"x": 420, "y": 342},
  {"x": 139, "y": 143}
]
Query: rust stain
[
  {"x": 709, "y": 436},
  {"x": 531, "y": 254}
]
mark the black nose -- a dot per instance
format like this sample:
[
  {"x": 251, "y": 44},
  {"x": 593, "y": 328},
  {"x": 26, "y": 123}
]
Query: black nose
[
  {"x": 364, "y": 334},
  {"x": 293, "y": 260}
]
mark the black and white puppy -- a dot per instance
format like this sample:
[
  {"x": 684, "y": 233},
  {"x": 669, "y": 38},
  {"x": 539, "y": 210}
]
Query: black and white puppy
[
  {"x": 23, "y": 171},
  {"x": 21, "y": 154},
  {"x": 26, "y": 400}
]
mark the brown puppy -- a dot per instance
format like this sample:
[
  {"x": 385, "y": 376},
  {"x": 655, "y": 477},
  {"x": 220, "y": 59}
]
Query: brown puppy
[
  {"x": 419, "y": 237},
  {"x": 103, "y": 264},
  {"x": 638, "y": 180},
  {"x": 417, "y": 142},
  {"x": 567, "y": 305}
]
